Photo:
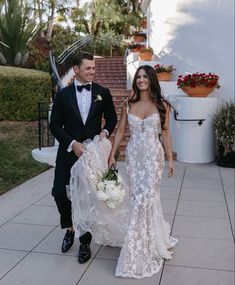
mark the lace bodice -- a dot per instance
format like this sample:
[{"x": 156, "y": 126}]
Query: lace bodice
[{"x": 144, "y": 127}]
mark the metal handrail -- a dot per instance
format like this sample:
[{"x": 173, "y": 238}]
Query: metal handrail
[
  {"x": 176, "y": 113},
  {"x": 70, "y": 49}
]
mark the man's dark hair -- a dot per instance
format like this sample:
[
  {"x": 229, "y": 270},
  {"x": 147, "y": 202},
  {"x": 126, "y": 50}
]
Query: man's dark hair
[{"x": 83, "y": 55}]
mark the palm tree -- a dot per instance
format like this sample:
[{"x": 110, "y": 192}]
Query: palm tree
[{"x": 16, "y": 30}]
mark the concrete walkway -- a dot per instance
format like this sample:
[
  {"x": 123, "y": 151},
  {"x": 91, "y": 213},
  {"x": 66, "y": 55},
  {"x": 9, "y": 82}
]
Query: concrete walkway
[{"x": 198, "y": 202}]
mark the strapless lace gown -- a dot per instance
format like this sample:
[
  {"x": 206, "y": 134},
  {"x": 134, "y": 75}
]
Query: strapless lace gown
[
  {"x": 144, "y": 237},
  {"x": 148, "y": 240}
]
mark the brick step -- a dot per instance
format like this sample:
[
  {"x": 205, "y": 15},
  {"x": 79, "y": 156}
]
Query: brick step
[
  {"x": 109, "y": 74},
  {"x": 114, "y": 77},
  {"x": 111, "y": 79}
]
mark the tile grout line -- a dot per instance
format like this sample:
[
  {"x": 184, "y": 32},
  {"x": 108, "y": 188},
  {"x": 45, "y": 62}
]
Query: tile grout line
[
  {"x": 226, "y": 203},
  {"x": 88, "y": 265},
  {"x": 30, "y": 251},
  {"x": 202, "y": 268},
  {"x": 28, "y": 207},
  {"x": 181, "y": 186}
]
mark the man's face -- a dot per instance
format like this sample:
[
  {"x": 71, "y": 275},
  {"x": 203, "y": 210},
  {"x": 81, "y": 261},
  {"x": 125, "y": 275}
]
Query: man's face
[{"x": 86, "y": 71}]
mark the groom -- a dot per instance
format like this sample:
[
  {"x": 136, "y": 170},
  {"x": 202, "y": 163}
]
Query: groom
[{"x": 76, "y": 116}]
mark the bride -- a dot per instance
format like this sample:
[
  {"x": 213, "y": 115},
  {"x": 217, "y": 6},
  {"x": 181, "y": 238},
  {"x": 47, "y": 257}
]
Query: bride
[{"x": 144, "y": 237}]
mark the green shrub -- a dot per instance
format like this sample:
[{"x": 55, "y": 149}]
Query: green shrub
[{"x": 20, "y": 90}]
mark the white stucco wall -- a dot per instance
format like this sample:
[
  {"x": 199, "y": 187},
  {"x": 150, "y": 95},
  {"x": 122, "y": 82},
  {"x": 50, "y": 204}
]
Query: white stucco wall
[{"x": 195, "y": 35}]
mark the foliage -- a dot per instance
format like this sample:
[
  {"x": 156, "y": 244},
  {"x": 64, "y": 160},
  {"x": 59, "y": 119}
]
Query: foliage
[
  {"x": 145, "y": 49},
  {"x": 20, "y": 89},
  {"x": 134, "y": 46},
  {"x": 106, "y": 41},
  {"x": 38, "y": 54},
  {"x": 62, "y": 38},
  {"x": 163, "y": 68},
  {"x": 224, "y": 126},
  {"x": 139, "y": 33},
  {"x": 48, "y": 12},
  {"x": 198, "y": 79},
  {"x": 101, "y": 16},
  {"x": 17, "y": 139},
  {"x": 16, "y": 30}
]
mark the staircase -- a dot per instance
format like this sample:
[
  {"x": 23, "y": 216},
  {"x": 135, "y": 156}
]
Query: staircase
[{"x": 111, "y": 73}]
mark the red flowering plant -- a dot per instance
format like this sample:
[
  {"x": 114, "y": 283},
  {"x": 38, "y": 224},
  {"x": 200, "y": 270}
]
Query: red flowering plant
[
  {"x": 163, "y": 68},
  {"x": 198, "y": 79}
]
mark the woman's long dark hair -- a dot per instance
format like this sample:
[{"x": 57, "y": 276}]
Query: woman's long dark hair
[{"x": 155, "y": 91}]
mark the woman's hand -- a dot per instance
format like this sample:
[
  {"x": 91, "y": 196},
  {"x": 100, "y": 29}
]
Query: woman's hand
[
  {"x": 171, "y": 168},
  {"x": 112, "y": 162}
]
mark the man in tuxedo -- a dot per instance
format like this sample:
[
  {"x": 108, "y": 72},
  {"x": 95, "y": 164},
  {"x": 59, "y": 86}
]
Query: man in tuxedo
[{"x": 76, "y": 116}]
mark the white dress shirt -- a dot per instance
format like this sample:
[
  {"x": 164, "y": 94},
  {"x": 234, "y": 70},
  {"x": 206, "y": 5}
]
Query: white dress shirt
[{"x": 84, "y": 99}]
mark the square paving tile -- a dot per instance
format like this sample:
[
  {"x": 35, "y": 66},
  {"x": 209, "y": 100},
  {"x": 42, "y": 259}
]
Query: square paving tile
[
  {"x": 47, "y": 200},
  {"x": 228, "y": 177},
  {"x": 8, "y": 259},
  {"x": 203, "y": 172},
  {"x": 171, "y": 182},
  {"x": 202, "y": 209},
  {"x": 204, "y": 253},
  {"x": 169, "y": 193},
  {"x": 190, "y": 194},
  {"x": 38, "y": 269},
  {"x": 195, "y": 276},
  {"x": 22, "y": 236},
  {"x": 52, "y": 244},
  {"x": 197, "y": 183},
  {"x": 38, "y": 215},
  {"x": 108, "y": 252},
  {"x": 168, "y": 206},
  {"x": 202, "y": 227},
  {"x": 102, "y": 272}
]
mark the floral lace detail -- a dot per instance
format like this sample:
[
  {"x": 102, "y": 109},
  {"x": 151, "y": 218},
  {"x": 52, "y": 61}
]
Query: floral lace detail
[{"x": 148, "y": 237}]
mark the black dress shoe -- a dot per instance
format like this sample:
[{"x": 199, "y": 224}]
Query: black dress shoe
[
  {"x": 67, "y": 241},
  {"x": 84, "y": 253}
]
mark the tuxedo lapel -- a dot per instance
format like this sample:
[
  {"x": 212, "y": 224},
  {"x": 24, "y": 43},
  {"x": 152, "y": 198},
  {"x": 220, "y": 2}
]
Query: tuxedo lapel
[
  {"x": 94, "y": 93},
  {"x": 73, "y": 101}
]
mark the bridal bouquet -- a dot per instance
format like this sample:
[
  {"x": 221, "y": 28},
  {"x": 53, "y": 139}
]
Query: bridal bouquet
[{"x": 110, "y": 189}]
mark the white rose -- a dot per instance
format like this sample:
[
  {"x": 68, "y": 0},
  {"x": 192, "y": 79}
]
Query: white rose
[
  {"x": 114, "y": 194},
  {"x": 101, "y": 196},
  {"x": 111, "y": 204},
  {"x": 100, "y": 186},
  {"x": 119, "y": 179}
]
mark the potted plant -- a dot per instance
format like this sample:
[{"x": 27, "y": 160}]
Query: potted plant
[
  {"x": 134, "y": 47},
  {"x": 224, "y": 126},
  {"x": 139, "y": 36},
  {"x": 164, "y": 72},
  {"x": 198, "y": 84},
  {"x": 145, "y": 53}
]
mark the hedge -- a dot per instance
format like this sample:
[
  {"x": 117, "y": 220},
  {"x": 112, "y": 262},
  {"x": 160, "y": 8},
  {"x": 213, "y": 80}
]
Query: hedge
[{"x": 20, "y": 90}]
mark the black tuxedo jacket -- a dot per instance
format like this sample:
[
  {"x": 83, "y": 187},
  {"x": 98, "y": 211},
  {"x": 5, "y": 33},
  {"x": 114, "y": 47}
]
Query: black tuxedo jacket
[{"x": 66, "y": 125}]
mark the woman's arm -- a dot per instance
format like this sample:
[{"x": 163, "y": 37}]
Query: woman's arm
[
  {"x": 119, "y": 135},
  {"x": 166, "y": 140}
]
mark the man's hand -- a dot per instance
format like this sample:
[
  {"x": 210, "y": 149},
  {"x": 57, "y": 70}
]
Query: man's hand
[
  {"x": 78, "y": 148},
  {"x": 102, "y": 135}
]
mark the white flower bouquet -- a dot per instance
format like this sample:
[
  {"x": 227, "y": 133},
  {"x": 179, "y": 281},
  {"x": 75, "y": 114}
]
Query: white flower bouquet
[{"x": 110, "y": 189}]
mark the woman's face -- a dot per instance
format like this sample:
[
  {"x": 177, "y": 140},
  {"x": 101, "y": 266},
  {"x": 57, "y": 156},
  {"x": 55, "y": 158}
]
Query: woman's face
[{"x": 142, "y": 80}]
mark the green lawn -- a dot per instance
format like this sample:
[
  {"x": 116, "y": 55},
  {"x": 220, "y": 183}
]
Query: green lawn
[{"x": 17, "y": 139}]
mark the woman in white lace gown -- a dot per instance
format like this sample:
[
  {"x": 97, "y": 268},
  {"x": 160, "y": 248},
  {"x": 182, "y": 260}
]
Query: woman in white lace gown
[{"x": 147, "y": 241}]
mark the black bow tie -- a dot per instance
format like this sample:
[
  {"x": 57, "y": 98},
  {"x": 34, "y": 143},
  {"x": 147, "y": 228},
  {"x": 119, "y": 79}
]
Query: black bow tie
[{"x": 86, "y": 86}]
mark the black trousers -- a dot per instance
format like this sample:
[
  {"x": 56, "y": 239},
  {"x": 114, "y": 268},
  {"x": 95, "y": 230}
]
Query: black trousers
[{"x": 64, "y": 208}]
